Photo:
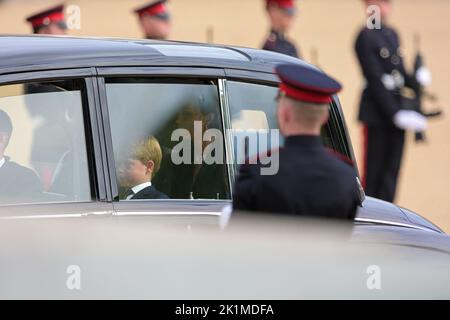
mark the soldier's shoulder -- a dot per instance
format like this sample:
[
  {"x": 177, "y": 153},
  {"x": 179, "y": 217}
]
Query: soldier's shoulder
[
  {"x": 391, "y": 29},
  {"x": 263, "y": 157},
  {"x": 366, "y": 38},
  {"x": 340, "y": 159},
  {"x": 365, "y": 33},
  {"x": 291, "y": 44}
]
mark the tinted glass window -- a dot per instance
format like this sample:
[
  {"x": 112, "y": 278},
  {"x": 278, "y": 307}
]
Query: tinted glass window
[
  {"x": 253, "y": 108},
  {"x": 43, "y": 154},
  {"x": 158, "y": 131}
]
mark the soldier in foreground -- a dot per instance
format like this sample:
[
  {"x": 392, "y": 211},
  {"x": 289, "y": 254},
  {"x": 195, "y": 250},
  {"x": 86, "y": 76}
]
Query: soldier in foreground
[
  {"x": 383, "y": 110},
  {"x": 154, "y": 19},
  {"x": 311, "y": 181},
  {"x": 281, "y": 14}
]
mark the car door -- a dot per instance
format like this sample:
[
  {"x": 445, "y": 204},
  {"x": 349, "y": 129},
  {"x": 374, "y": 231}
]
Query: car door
[
  {"x": 51, "y": 146},
  {"x": 146, "y": 112}
]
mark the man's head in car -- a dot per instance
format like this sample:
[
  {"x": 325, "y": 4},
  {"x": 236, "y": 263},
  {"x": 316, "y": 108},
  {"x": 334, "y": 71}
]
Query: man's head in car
[
  {"x": 190, "y": 114},
  {"x": 5, "y": 131},
  {"x": 141, "y": 164}
]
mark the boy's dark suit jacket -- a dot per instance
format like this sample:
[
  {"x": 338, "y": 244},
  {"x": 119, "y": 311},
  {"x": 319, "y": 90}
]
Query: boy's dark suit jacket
[{"x": 149, "y": 193}]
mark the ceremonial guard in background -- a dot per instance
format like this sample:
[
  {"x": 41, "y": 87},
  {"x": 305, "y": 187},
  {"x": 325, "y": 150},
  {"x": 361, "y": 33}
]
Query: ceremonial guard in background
[
  {"x": 154, "y": 19},
  {"x": 281, "y": 14},
  {"x": 383, "y": 109}
]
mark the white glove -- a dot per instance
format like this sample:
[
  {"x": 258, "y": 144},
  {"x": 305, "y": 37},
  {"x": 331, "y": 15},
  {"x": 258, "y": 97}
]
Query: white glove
[
  {"x": 410, "y": 120},
  {"x": 423, "y": 76}
]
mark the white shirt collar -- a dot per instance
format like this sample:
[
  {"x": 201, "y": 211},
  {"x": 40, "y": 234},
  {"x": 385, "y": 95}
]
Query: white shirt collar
[
  {"x": 2, "y": 162},
  {"x": 139, "y": 188}
]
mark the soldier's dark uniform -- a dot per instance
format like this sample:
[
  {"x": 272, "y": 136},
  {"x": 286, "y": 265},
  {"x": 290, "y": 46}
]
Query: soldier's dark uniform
[
  {"x": 311, "y": 181},
  {"x": 277, "y": 42},
  {"x": 378, "y": 51}
]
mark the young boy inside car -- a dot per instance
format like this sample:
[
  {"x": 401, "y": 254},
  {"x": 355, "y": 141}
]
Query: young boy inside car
[{"x": 137, "y": 170}]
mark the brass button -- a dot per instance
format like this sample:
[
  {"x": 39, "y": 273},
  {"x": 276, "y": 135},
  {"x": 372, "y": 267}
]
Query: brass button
[{"x": 384, "y": 53}]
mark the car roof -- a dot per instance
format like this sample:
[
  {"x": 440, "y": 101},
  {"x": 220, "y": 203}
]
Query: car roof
[{"x": 37, "y": 52}]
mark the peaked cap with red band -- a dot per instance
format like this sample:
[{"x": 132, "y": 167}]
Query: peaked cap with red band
[
  {"x": 286, "y": 5},
  {"x": 303, "y": 83},
  {"x": 45, "y": 18},
  {"x": 157, "y": 9}
]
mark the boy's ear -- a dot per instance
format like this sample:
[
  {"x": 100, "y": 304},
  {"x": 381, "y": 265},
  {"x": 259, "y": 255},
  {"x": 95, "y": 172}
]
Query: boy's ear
[
  {"x": 4, "y": 139},
  {"x": 150, "y": 165},
  {"x": 285, "y": 113}
]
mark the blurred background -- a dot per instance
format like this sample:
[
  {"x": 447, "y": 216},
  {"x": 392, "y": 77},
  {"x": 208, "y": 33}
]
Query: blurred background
[{"x": 325, "y": 31}]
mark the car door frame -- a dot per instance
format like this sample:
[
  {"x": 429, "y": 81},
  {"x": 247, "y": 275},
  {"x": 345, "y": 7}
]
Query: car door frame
[
  {"x": 199, "y": 209},
  {"x": 95, "y": 144}
]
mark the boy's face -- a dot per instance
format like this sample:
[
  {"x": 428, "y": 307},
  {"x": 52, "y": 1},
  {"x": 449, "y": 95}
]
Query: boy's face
[{"x": 133, "y": 172}]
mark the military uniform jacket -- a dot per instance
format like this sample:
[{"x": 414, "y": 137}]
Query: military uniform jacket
[
  {"x": 310, "y": 182},
  {"x": 278, "y": 43},
  {"x": 378, "y": 52}
]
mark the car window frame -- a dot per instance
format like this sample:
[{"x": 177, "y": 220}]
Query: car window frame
[
  {"x": 204, "y": 208},
  {"x": 98, "y": 205},
  {"x": 222, "y": 75}
]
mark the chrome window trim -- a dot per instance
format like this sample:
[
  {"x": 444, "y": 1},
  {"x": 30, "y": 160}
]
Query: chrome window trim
[
  {"x": 215, "y": 214},
  {"x": 53, "y": 216},
  {"x": 226, "y": 123},
  {"x": 168, "y": 213},
  {"x": 393, "y": 224}
]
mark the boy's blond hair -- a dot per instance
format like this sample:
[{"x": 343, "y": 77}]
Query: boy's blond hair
[{"x": 146, "y": 150}]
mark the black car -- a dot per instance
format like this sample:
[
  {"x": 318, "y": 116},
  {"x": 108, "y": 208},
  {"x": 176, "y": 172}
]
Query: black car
[{"x": 78, "y": 105}]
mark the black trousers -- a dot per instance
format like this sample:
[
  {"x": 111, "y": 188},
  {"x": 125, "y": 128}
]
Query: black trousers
[{"x": 383, "y": 159}]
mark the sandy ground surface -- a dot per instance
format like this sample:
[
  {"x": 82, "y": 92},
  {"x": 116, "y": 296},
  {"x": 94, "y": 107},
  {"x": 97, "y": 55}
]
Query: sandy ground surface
[{"x": 327, "y": 26}]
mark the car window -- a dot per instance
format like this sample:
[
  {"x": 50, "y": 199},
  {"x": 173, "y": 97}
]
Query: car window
[
  {"x": 253, "y": 109},
  {"x": 160, "y": 139},
  {"x": 43, "y": 154}
]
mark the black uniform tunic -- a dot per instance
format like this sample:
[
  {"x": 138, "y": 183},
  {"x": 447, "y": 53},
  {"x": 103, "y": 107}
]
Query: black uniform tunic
[
  {"x": 277, "y": 42},
  {"x": 310, "y": 182}
]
